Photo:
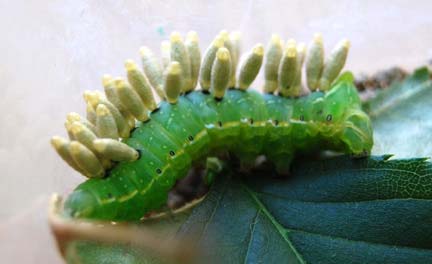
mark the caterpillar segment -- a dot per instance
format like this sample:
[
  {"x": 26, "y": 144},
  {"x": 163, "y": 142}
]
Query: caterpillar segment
[{"x": 189, "y": 125}]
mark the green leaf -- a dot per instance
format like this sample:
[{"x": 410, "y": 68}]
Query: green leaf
[
  {"x": 402, "y": 117},
  {"x": 335, "y": 211}
]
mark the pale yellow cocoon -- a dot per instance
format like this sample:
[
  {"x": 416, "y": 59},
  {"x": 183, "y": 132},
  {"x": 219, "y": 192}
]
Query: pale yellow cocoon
[
  {"x": 225, "y": 36},
  {"x": 131, "y": 121},
  {"x": 105, "y": 123},
  {"x": 68, "y": 125},
  {"x": 86, "y": 137},
  {"x": 140, "y": 84},
  {"x": 235, "y": 39},
  {"x": 192, "y": 46},
  {"x": 115, "y": 150},
  {"x": 152, "y": 70},
  {"x": 107, "y": 80},
  {"x": 250, "y": 67},
  {"x": 72, "y": 117},
  {"x": 83, "y": 135},
  {"x": 296, "y": 88},
  {"x": 165, "y": 54},
  {"x": 131, "y": 100},
  {"x": 121, "y": 122},
  {"x": 92, "y": 97},
  {"x": 220, "y": 75},
  {"x": 179, "y": 53},
  {"x": 95, "y": 99},
  {"x": 334, "y": 64},
  {"x": 288, "y": 68},
  {"x": 86, "y": 160},
  {"x": 111, "y": 95},
  {"x": 173, "y": 82},
  {"x": 207, "y": 63},
  {"x": 90, "y": 113},
  {"x": 315, "y": 62},
  {"x": 271, "y": 65},
  {"x": 62, "y": 147},
  {"x": 234, "y": 47}
]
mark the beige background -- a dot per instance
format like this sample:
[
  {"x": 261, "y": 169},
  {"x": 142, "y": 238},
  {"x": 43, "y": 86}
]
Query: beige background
[{"x": 51, "y": 51}]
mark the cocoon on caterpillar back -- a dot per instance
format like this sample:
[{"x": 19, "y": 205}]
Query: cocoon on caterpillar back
[{"x": 189, "y": 125}]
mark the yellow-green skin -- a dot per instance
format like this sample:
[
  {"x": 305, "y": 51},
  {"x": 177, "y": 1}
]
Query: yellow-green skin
[{"x": 245, "y": 123}]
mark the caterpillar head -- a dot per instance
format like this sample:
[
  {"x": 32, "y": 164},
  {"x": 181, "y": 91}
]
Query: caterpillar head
[
  {"x": 80, "y": 204},
  {"x": 342, "y": 105},
  {"x": 357, "y": 133}
]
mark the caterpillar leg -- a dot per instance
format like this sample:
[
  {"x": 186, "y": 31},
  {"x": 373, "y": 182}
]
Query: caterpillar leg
[{"x": 283, "y": 164}]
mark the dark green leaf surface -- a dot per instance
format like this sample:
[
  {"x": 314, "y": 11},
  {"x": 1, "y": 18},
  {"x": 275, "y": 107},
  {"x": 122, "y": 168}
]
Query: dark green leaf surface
[
  {"x": 402, "y": 117},
  {"x": 335, "y": 211}
]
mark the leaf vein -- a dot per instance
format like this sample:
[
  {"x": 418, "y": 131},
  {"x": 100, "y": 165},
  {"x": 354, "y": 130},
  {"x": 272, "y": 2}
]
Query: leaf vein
[{"x": 280, "y": 229}]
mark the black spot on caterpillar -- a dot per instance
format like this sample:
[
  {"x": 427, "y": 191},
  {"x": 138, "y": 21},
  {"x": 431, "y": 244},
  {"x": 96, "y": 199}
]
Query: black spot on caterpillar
[{"x": 186, "y": 125}]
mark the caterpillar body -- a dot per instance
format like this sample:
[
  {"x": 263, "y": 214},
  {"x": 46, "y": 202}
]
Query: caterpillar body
[{"x": 133, "y": 176}]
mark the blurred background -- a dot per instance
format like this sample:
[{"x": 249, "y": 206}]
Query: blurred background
[{"x": 51, "y": 51}]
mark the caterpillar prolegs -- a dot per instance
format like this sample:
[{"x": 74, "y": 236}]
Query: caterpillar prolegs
[{"x": 134, "y": 150}]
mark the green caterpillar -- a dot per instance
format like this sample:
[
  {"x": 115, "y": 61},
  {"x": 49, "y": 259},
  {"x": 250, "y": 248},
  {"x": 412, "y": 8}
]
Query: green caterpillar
[{"x": 132, "y": 176}]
